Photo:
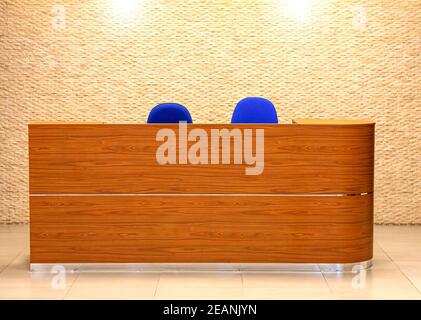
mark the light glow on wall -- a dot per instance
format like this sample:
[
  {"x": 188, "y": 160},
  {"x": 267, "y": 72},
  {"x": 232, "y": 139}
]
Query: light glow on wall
[
  {"x": 298, "y": 9},
  {"x": 124, "y": 8}
]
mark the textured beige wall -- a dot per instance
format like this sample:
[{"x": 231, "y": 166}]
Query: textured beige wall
[{"x": 208, "y": 55}]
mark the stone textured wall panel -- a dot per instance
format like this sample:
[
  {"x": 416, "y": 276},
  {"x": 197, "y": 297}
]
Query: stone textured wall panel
[{"x": 113, "y": 63}]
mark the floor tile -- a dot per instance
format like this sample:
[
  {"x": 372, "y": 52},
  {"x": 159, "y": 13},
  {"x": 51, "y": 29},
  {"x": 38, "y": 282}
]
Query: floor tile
[
  {"x": 20, "y": 262},
  {"x": 200, "y": 285},
  {"x": 412, "y": 270},
  {"x": 400, "y": 242},
  {"x": 403, "y": 252},
  {"x": 381, "y": 260},
  {"x": 25, "y": 293},
  {"x": 377, "y": 295},
  {"x": 114, "y": 280},
  {"x": 12, "y": 249},
  {"x": 28, "y": 280},
  {"x": 396, "y": 274},
  {"x": 14, "y": 228},
  {"x": 115, "y": 293},
  {"x": 374, "y": 283},
  {"x": 17, "y": 275},
  {"x": 258, "y": 295},
  {"x": 7, "y": 257},
  {"x": 284, "y": 285}
]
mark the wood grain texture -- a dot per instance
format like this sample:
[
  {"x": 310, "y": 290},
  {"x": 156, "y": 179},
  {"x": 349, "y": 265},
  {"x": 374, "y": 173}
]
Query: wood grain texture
[
  {"x": 121, "y": 159},
  {"x": 209, "y": 229}
]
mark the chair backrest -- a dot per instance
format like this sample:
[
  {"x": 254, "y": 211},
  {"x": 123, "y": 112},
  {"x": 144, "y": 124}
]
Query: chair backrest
[
  {"x": 169, "y": 113},
  {"x": 254, "y": 110}
]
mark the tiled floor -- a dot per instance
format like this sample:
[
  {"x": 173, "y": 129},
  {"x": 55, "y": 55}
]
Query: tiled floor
[{"x": 396, "y": 275}]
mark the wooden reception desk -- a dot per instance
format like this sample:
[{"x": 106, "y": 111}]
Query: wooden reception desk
[{"x": 98, "y": 195}]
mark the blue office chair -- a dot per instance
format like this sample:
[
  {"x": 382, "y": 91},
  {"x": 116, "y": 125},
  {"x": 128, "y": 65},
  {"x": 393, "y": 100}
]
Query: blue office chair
[
  {"x": 254, "y": 110},
  {"x": 169, "y": 113}
]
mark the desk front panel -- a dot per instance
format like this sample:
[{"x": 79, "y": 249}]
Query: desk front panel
[
  {"x": 121, "y": 159},
  {"x": 190, "y": 229}
]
